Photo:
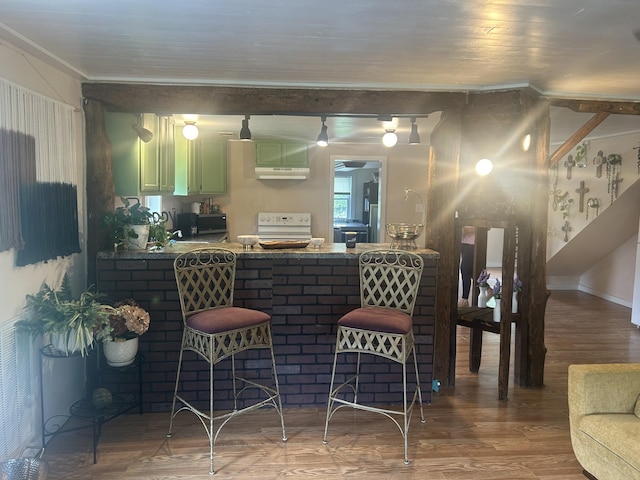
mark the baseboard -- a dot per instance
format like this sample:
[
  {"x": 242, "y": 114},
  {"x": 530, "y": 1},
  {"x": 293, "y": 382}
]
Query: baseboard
[{"x": 605, "y": 296}]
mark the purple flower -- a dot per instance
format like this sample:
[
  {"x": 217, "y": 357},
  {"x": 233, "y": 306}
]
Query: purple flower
[
  {"x": 482, "y": 279},
  {"x": 496, "y": 289},
  {"x": 517, "y": 284}
]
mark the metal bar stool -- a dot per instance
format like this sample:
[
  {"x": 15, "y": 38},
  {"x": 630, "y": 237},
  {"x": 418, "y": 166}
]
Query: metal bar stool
[
  {"x": 216, "y": 330},
  {"x": 381, "y": 326}
]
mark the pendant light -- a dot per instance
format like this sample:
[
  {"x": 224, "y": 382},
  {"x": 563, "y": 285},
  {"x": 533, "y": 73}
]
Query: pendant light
[
  {"x": 245, "y": 133},
  {"x": 323, "y": 138},
  {"x": 190, "y": 131},
  {"x": 414, "y": 136},
  {"x": 389, "y": 139}
]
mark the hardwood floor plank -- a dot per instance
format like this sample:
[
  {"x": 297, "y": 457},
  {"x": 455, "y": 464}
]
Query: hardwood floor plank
[{"x": 469, "y": 433}]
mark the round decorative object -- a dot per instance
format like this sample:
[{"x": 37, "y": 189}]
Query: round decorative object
[
  {"x": 120, "y": 353},
  {"x": 101, "y": 398}
]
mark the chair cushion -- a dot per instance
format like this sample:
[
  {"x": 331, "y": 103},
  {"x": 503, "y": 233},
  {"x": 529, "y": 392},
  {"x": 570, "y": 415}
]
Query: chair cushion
[
  {"x": 377, "y": 319},
  {"x": 223, "y": 319}
]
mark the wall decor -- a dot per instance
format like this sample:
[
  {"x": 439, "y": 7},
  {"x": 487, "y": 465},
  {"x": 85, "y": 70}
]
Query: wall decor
[
  {"x": 598, "y": 161},
  {"x": 566, "y": 228},
  {"x": 595, "y": 204},
  {"x": 581, "y": 155},
  {"x": 569, "y": 163},
  {"x": 554, "y": 191},
  {"x": 638, "y": 148},
  {"x": 581, "y": 191},
  {"x": 613, "y": 167}
]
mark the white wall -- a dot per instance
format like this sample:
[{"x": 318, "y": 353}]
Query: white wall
[{"x": 38, "y": 77}]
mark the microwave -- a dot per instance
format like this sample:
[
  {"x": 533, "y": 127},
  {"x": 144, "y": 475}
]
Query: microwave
[{"x": 193, "y": 224}]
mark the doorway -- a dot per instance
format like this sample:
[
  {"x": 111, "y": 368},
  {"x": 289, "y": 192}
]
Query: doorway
[{"x": 357, "y": 197}]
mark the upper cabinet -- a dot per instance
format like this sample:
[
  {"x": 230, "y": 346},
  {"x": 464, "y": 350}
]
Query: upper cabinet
[
  {"x": 281, "y": 154},
  {"x": 141, "y": 167},
  {"x": 201, "y": 165}
]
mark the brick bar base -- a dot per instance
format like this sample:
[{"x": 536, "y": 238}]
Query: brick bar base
[{"x": 305, "y": 297}]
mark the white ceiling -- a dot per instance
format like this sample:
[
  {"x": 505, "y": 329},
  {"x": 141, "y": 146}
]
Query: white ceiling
[{"x": 583, "y": 49}]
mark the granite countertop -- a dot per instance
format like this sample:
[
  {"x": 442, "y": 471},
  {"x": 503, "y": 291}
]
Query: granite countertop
[{"x": 331, "y": 250}]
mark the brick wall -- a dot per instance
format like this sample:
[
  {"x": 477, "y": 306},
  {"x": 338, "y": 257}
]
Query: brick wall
[{"x": 305, "y": 296}]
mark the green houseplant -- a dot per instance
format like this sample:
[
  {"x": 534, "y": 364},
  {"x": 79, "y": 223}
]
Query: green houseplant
[
  {"x": 56, "y": 313},
  {"x": 121, "y": 225}
]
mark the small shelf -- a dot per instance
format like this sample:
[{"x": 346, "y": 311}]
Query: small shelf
[{"x": 83, "y": 409}]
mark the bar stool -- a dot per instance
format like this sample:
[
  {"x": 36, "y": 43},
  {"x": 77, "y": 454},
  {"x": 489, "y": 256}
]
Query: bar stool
[
  {"x": 216, "y": 330},
  {"x": 381, "y": 326}
]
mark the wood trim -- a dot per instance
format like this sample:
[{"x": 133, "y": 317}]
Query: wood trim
[{"x": 574, "y": 139}]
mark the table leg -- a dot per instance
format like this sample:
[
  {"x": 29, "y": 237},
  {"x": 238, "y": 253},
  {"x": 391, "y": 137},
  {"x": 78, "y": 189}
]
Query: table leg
[{"x": 475, "y": 348}]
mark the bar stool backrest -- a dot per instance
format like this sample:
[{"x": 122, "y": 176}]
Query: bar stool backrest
[
  {"x": 390, "y": 278},
  {"x": 205, "y": 279}
]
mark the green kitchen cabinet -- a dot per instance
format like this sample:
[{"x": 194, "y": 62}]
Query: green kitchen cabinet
[
  {"x": 201, "y": 166},
  {"x": 281, "y": 154},
  {"x": 141, "y": 168}
]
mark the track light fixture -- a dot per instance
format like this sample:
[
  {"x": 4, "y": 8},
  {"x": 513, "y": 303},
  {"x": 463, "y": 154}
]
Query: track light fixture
[
  {"x": 389, "y": 139},
  {"x": 245, "y": 133},
  {"x": 190, "y": 131},
  {"x": 143, "y": 134},
  {"x": 323, "y": 138},
  {"x": 414, "y": 136}
]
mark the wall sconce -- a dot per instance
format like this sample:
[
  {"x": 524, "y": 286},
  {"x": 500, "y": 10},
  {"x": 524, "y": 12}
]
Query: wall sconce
[
  {"x": 414, "y": 136},
  {"x": 389, "y": 139},
  {"x": 190, "y": 131},
  {"x": 245, "y": 133},
  {"x": 323, "y": 138},
  {"x": 484, "y": 167},
  {"x": 143, "y": 134}
]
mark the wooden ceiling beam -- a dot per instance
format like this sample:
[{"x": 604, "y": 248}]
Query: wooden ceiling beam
[
  {"x": 213, "y": 100},
  {"x": 574, "y": 139},
  {"x": 596, "y": 106}
]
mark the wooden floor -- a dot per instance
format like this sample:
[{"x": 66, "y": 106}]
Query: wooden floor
[{"x": 469, "y": 434}]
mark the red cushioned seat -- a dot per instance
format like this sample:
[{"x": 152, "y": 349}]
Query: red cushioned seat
[
  {"x": 377, "y": 319},
  {"x": 226, "y": 318}
]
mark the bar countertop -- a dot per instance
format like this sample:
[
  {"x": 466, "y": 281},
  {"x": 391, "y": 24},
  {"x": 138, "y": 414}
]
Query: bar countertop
[{"x": 331, "y": 250}]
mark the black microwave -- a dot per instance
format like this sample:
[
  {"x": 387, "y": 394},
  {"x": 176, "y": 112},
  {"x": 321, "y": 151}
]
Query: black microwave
[{"x": 193, "y": 224}]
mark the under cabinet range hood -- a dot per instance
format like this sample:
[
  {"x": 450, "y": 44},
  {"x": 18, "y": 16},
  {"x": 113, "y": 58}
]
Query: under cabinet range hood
[{"x": 282, "y": 173}]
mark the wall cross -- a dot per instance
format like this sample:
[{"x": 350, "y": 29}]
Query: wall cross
[{"x": 582, "y": 190}]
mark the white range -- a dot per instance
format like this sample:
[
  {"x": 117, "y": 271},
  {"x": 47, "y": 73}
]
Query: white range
[{"x": 284, "y": 226}]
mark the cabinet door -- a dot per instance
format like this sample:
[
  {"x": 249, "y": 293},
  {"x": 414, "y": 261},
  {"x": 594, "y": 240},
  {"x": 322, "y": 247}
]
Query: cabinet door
[
  {"x": 213, "y": 166},
  {"x": 166, "y": 156},
  {"x": 125, "y": 148},
  {"x": 268, "y": 154},
  {"x": 187, "y": 180},
  {"x": 295, "y": 155},
  {"x": 149, "y": 165}
]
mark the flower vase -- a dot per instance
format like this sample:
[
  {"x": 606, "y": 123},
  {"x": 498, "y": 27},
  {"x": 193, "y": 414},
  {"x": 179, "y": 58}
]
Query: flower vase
[
  {"x": 483, "y": 296},
  {"x": 120, "y": 353},
  {"x": 496, "y": 310},
  {"x": 514, "y": 303}
]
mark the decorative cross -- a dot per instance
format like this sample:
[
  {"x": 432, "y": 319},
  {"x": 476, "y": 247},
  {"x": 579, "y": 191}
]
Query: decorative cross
[
  {"x": 582, "y": 190},
  {"x": 595, "y": 204},
  {"x": 566, "y": 229},
  {"x": 615, "y": 184},
  {"x": 598, "y": 161},
  {"x": 569, "y": 163}
]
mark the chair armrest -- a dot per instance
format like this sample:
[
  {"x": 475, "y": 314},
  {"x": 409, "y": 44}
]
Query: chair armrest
[{"x": 602, "y": 388}]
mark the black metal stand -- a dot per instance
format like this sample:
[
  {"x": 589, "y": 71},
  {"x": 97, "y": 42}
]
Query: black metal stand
[{"x": 84, "y": 409}]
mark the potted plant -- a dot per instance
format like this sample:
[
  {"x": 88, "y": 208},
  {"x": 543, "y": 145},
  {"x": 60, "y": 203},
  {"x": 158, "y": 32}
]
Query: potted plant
[
  {"x": 69, "y": 323},
  {"x": 119, "y": 332},
  {"x": 128, "y": 226}
]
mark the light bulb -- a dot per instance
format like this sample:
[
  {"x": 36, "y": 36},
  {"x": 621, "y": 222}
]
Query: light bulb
[
  {"x": 190, "y": 131},
  {"x": 484, "y": 167},
  {"x": 389, "y": 139}
]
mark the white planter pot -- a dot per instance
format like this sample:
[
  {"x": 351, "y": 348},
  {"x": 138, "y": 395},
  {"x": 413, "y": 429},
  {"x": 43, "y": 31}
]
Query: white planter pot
[
  {"x": 139, "y": 243},
  {"x": 65, "y": 342},
  {"x": 120, "y": 354}
]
